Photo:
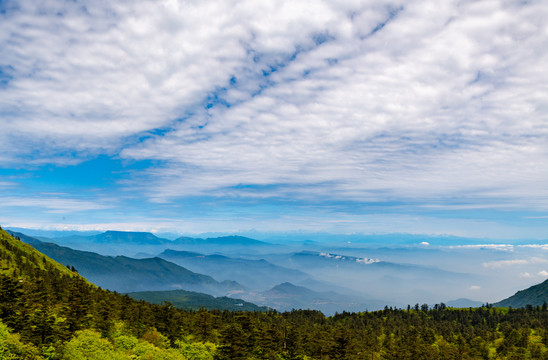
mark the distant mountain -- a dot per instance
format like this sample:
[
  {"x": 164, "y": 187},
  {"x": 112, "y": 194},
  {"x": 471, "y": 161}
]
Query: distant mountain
[
  {"x": 52, "y": 233},
  {"x": 464, "y": 303},
  {"x": 125, "y": 274},
  {"x": 287, "y": 289},
  {"x": 376, "y": 267},
  {"x": 369, "y": 239},
  {"x": 287, "y": 296},
  {"x": 330, "y": 257},
  {"x": 371, "y": 277},
  {"x": 127, "y": 237},
  {"x": 536, "y": 295},
  {"x": 220, "y": 241},
  {"x": 112, "y": 242},
  {"x": 131, "y": 243},
  {"x": 189, "y": 300},
  {"x": 255, "y": 274}
]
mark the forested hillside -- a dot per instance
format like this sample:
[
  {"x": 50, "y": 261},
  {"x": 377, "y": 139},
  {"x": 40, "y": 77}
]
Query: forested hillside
[
  {"x": 536, "y": 295},
  {"x": 48, "y": 311}
]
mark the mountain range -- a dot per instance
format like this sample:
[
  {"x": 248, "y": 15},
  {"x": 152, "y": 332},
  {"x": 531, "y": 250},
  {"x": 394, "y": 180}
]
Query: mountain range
[
  {"x": 125, "y": 274},
  {"x": 254, "y": 274},
  {"x": 265, "y": 280},
  {"x": 145, "y": 243},
  {"x": 266, "y": 276}
]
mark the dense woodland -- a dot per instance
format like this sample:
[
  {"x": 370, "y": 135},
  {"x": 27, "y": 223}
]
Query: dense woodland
[{"x": 48, "y": 311}]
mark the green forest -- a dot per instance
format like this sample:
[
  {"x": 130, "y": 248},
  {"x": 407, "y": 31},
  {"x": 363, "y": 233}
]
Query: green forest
[{"x": 48, "y": 311}]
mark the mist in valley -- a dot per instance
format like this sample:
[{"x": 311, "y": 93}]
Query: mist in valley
[{"x": 328, "y": 275}]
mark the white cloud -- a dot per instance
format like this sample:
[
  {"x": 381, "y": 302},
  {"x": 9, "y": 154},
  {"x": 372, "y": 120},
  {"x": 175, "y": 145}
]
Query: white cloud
[
  {"x": 535, "y": 246},
  {"x": 445, "y": 101},
  {"x": 474, "y": 287},
  {"x": 498, "y": 247},
  {"x": 116, "y": 226},
  {"x": 53, "y": 204},
  {"x": 7, "y": 184},
  {"x": 525, "y": 275},
  {"x": 373, "y": 121},
  {"x": 543, "y": 273},
  {"x": 505, "y": 263}
]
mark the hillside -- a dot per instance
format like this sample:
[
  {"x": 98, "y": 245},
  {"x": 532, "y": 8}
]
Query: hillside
[
  {"x": 21, "y": 260},
  {"x": 188, "y": 300},
  {"x": 536, "y": 295},
  {"x": 53, "y": 313},
  {"x": 126, "y": 274},
  {"x": 39, "y": 297},
  {"x": 50, "y": 312}
]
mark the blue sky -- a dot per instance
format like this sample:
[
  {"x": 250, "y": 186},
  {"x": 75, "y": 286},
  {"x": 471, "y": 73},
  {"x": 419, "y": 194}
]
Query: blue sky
[{"x": 226, "y": 116}]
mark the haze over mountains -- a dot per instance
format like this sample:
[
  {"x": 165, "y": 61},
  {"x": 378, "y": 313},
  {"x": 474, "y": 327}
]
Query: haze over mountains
[
  {"x": 330, "y": 276},
  {"x": 41, "y": 297},
  {"x": 125, "y": 274},
  {"x": 255, "y": 274}
]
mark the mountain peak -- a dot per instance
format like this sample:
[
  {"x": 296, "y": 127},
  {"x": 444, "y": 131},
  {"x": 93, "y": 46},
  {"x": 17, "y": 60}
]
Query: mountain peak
[
  {"x": 288, "y": 288},
  {"x": 222, "y": 241},
  {"x": 113, "y": 236}
]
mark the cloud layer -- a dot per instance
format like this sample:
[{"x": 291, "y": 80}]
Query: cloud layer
[{"x": 442, "y": 105}]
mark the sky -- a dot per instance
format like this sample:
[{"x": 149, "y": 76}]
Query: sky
[{"x": 424, "y": 117}]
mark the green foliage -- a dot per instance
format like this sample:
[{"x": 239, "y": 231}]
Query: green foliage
[
  {"x": 193, "y": 350},
  {"x": 125, "y": 342},
  {"x": 11, "y": 348},
  {"x": 88, "y": 345},
  {"x": 147, "y": 351},
  {"x": 155, "y": 338}
]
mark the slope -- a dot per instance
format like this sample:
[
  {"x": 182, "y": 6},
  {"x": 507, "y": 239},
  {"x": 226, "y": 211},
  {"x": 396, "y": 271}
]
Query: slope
[
  {"x": 39, "y": 297},
  {"x": 126, "y": 274},
  {"x": 536, "y": 295},
  {"x": 21, "y": 260}
]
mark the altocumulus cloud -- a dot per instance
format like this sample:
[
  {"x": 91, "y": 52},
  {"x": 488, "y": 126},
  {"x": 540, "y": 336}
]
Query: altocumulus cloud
[{"x": 418, "y": 101}]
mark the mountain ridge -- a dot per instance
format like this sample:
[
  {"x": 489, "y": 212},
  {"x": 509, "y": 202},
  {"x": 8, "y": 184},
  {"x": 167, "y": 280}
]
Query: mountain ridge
[
  {"x": 125, "y": 274},
  {"x": 188, "y": 300},
  {"x": 257, "y": 274},
  {"x": 536, "y": 295}
]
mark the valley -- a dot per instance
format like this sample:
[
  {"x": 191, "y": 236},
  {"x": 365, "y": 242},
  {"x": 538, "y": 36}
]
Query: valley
[{"x": 328, "y": 276}]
